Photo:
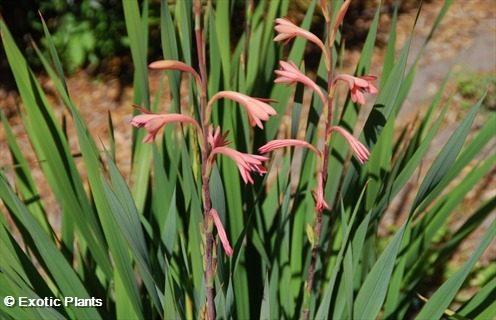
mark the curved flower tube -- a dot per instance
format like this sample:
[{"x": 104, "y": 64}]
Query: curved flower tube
[
  {"x": 176, "y": 65},
  {"x": 276, "y": 144},
  {"x": 288, "y": 30},
  {"x": 222, "y": 233},
  {"x": 256, "y": 108},
  {"x": 246, "y": 163},
  {"x": 153, "y": 122},
  {"x": 361, "y": 152},
  {"x": 358, "y": 85},
  {"x": 291, "y": 74}
]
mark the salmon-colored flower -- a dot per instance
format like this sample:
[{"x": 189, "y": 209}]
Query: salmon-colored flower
[
  {"x": 320, "y": 204},
  {"x": 358, "y": 148},
  {"x": 358, "y": 85},
  {"x": 258, "y": 109},
  {"x": 153, "y": 122},
  {"x": 281, "y": 143},
  {"x": 288, "y": 30},
  {"x": 175, "y": 65},
  {"x": 247, "y": 163},
  {"x": 291, "y": 74},
  {"x": 222, "y": 233}
]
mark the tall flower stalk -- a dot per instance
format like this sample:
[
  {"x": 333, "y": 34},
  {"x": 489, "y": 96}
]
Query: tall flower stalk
[
  {"x": 211, "y": 143},
  {"x": 291, "y": 74}
]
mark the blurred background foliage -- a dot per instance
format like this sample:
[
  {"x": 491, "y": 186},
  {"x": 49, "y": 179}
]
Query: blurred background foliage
[
  {"x": 91, "y": 34},
  {"x": 87, "y": 33}
]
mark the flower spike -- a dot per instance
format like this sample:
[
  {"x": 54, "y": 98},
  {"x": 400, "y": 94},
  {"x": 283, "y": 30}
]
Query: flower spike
[
  {"x": 290, "y": 74},
  {"x": 222, "y": 233}
]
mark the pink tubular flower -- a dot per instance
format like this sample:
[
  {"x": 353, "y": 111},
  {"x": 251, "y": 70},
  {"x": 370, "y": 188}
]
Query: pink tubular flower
[
  {"x": 358, "y": 85},
  {"x": 320, "y": 204},
  {"x": 358, "y": 148},
  {"x": 153, "y": 122},
  {"x": 290, "y": 74},
  {"x": 256, "y": 108},
  {"x": 288, "y": 30},
  {"x": 175, "y": 65},
  {"x": 222, "y": 233},
  {"x": 276, "y": 144},
  {"x": 246, "y": 163}
]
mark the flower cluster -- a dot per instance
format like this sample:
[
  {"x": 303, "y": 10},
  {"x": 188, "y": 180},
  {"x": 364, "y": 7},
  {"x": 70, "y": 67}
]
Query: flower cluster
[
  {"x": 258, "y": 110},
  {"x": 358, "y": 86},
  {"x": 291, "y": 74}
]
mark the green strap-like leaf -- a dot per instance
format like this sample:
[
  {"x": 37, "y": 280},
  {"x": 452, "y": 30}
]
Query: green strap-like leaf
[
  {"x": 64, "y": 276},
  {"x": 372, "y": 293},
  {"x": 441, "y": 166},
  {"x": 441, "y": 299}
]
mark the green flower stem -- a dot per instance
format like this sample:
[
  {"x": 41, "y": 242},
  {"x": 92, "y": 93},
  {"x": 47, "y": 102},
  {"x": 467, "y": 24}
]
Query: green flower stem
[
  {"x": 209, "y": 270},
  {"x": 325, "y": 164}
]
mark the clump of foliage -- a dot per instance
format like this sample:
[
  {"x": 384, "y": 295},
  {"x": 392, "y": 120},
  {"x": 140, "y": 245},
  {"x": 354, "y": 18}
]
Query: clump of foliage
[{"x": 305, "y": 244}]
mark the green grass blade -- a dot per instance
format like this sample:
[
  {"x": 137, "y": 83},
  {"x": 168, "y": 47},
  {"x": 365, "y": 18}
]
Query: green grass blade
[
  {"x": 169, "y": 229},
  {"x": 390, "y": 49},
  {"x": 441, "y": 299},
  {"x": 128, "y": 222},
  {"x": 412, "y": 164},
  {"x": 324, "y": 308},
  {"x": 446, "y": 157},
  {"x": 434, "y": 220},
  {"x": 19, "y": 277},
  {"x": 265, "y": 309},
  {"x": 466, "y": 229},
  {"x": 63, "y": 275},
  {"x": 222, "y": 23},
  {"x": 129, "y": 300},
  {"x": 170, "y": 50},
  {"x": 373, "y": 291},
  {"x": 386, "y": 98},
  {"x": 51, "y": 146},
  {"x": 137, "y": 41},
  {"x": 170, "y": 304},
  {"x": 482, "y": 305},
  {"x": 473, "y": 148},
  {"x": 25, "y": 182}
]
